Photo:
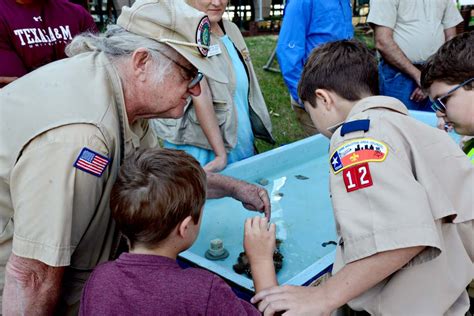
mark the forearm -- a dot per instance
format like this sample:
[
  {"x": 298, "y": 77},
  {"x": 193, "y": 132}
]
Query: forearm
[
  {"x": 206, "y": 116},
  {"x": 392, "y": 53},
  {"x": 208, "y": 121},
  {"x": 359, "y": 276},
  {"x": 31, "y": 287},
  {"x": 263, "y": 275},
  {"x": 220, "y": 186},
  {"x": 449, "y": 33}
]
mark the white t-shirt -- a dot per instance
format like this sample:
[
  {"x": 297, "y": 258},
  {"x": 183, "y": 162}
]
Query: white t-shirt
[{"x": 418, "y": 25}]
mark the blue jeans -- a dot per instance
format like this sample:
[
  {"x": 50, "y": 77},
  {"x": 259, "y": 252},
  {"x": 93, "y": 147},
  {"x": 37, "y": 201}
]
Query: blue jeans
[{"x": 394, "y": 83}]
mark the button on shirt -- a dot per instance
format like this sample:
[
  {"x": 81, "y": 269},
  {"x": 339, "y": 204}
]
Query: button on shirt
[{"x": 306, "y": 25}]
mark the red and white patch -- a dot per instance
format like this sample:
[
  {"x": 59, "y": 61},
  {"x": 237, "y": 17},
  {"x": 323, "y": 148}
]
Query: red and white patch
[{"x": 357, "y": 177}]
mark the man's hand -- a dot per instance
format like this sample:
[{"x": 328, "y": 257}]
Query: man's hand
[
  {"x": 418, "y": 95},
  {"x": 292, "y": 300},
  {"x": 253, "y": 197}
]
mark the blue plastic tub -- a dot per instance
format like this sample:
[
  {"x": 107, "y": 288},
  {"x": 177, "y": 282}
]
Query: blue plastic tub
[{"x": 298, "y": 183}]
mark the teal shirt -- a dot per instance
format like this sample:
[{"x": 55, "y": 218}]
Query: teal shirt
[{"x": 245, "y": 138}]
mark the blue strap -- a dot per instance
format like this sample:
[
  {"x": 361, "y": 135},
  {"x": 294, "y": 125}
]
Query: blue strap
[{"x": 354, "y": 126}]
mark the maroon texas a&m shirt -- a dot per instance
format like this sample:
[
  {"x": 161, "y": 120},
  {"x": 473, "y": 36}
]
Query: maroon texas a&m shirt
[{"x": 32, "y": 35}]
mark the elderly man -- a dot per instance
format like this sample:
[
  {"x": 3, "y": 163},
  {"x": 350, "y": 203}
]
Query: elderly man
[{"x": 64, "y": 131}]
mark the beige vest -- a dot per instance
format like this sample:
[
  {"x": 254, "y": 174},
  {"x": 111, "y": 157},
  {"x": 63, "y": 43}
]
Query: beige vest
[
  {"x": 83, "y": 89},
  {"x": 187, "y": 129}
]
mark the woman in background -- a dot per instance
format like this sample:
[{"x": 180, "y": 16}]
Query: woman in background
[{"x": 221, "y": 124}]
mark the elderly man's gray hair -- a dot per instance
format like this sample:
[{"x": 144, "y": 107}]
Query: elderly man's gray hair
[{"x": 117, "y": 43}]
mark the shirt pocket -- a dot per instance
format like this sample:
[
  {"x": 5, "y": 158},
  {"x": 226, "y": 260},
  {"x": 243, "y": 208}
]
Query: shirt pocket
[{"x": 220, "y": 108}]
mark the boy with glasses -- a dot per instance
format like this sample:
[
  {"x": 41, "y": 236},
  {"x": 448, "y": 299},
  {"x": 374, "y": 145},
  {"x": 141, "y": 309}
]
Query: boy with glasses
[{"x": 448, "y": 77}]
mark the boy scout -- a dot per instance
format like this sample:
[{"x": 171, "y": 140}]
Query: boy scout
[
  {"x": 448, "y": 77},
  {"x": 401, "y": 199},
  {"x": 64, "y": 130}
]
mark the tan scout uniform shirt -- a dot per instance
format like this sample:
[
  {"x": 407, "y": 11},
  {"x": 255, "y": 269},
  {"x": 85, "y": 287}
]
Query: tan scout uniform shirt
[
  {"x": 188, "y": 130},
  {"x": 418, "y": 25},
  {"x": 415, "y": 190},
  {"x": 49, "y": 210}
]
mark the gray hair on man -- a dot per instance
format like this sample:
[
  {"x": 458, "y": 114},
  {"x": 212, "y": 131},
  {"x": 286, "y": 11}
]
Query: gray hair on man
[{"x": 118, "y": 43}]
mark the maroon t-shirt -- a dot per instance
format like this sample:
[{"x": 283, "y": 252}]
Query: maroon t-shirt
[
  {"x": 154, "y": 285},
  {"x": 35, "y": 34}
]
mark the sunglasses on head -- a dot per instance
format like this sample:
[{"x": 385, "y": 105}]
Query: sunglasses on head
[{"x": 439, "y": 104}]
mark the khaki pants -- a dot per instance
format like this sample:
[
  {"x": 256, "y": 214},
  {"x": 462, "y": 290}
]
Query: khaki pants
[{"x": 303, "y": 119}]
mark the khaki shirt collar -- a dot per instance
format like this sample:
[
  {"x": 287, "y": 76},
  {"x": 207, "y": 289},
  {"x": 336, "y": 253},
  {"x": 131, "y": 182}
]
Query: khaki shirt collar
[{"x": 372, "y": 103}]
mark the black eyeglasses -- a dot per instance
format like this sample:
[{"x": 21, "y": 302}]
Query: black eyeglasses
[
  {"x": 439, "y": 105},
  {"x": 194, "y": 74}
]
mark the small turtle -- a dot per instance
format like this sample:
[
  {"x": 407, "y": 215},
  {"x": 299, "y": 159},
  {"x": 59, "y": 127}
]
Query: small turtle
[{"x": 263, "y": 181}]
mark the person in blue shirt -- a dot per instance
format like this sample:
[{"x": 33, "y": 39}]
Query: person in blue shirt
[{"x": 306, "y": 25}]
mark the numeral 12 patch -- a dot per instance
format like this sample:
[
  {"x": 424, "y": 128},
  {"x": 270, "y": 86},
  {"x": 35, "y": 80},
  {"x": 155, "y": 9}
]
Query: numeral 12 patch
[{"x": 357, "y": 177}]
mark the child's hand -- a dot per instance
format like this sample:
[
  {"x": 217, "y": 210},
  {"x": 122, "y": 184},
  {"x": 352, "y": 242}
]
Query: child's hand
[
  {"x": 259, "y": 240},
  {"x": 216, "y": 165}
]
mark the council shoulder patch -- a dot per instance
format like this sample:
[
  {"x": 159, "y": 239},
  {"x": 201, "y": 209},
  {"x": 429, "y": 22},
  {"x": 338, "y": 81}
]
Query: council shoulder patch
[
  {"x": 91, "y": 162},
  {"x": 357, "y": 151},
  {"x": 203, "y": 36}
]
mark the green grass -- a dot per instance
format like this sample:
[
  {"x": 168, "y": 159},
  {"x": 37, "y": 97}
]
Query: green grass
[{"x": 285, "y": 126}]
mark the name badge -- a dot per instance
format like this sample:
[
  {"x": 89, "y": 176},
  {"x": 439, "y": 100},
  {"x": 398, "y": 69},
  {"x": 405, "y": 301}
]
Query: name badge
[{"x": 214, "y": 50}]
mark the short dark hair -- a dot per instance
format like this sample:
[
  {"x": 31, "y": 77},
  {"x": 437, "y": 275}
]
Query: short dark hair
[
  {"x": 345, "y": 67},
  {"x": 453, "y": 63},
  {"x": 155, "y": 190}
]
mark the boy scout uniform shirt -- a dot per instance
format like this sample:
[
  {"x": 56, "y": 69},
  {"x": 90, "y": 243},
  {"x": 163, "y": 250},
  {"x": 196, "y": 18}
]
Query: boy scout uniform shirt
[
  {"x": 51, "y": 210},
  {"x": 188, "y": 131},
  {"x": 409, "y": 189}
]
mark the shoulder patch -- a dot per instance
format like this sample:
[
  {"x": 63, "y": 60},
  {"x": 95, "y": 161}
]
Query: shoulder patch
[
  {"x": 357, "y": 151},
  {"x": 91, "y": 162},
  {"x": 354, "y": 126},
  {"x": 357, "y": 177}
]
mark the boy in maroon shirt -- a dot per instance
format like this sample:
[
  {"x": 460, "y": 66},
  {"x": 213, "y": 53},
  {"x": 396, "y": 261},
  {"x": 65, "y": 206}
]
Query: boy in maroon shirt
[
  {"x": 35, "y": 32},
  {"x": 157, "y": 203}
]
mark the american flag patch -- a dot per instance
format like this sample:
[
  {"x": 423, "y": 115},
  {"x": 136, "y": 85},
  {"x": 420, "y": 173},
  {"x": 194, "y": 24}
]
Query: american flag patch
[{"x": 91, "y": 162}]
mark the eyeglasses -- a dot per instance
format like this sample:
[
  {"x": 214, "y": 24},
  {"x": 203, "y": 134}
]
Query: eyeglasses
[
  {"x": 195, "y": 75},
  {"x": 439, "y": 105}
]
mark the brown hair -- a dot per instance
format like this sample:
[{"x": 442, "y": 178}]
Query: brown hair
[
  {"x": 345, "y": 67},
  {"x": 155, "y": 190},
  {"x": 453, "y": 63}
]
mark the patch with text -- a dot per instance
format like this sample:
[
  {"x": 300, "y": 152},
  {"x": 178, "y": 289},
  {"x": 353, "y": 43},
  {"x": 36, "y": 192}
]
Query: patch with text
[{"x": 357, "y": 151}]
